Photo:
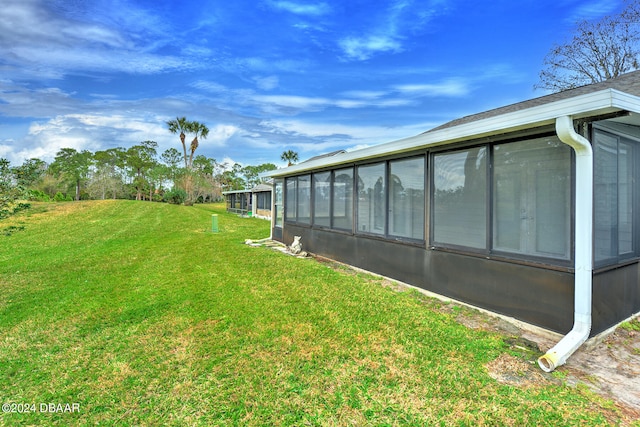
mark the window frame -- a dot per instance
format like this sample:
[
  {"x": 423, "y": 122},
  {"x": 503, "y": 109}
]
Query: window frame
[
  {"x": 374, "y": 201},
  {"x": 352, "y": 210},
  {"x": 353, "y": 191},
  {"x": 569, "y": 215},
  {"x": 634, "y": 254},
  {"x": 300, "y": 191},
  {"x": 385, "y": 234},
  {"x": 489, "y": 251},
  {"x": 287, "y": 203},
  {"x": 314, "y": 199},
  {"x": 295, "y": 202},
  {"x": 278, "y": 203},
  {"x": 432, "y": 205},
  {"x": 425, "y": 188},
  {"x": 263, "y": 200}
]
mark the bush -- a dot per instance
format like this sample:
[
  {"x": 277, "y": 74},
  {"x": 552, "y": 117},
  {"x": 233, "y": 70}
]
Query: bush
[
  {"x": 10, "y": 205},
  {"x": 38, "y": 196},
  {"x": 8, "y": 231},
  {"x": 59, "y": 197},
  {"x": 175, "y": 196},
  {"x": 21, "y": 206}
]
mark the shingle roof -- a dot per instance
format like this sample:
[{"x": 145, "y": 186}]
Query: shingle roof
[
  {"x": 321, "y": 156},
  {"x": 629, "y": 83},
  {"x": 257, "y": 189},
  {"x": 261, "y": 187}
]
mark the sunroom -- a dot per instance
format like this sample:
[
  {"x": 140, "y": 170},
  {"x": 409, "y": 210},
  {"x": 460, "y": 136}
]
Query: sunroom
[
  {"x": 255, "y": 202},
  {"x": 529, "y": 211}
]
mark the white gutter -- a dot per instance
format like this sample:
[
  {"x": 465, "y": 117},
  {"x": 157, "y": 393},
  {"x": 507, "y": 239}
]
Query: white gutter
[{"x": 559, "y": 354}]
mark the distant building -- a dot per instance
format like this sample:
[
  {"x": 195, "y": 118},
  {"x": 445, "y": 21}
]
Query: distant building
[
  {"x": 255, "y": 202},
  {"x": 530, "y": 210}
]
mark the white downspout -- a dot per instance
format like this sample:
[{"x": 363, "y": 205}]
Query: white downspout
[{"x": 583, "y": 247}]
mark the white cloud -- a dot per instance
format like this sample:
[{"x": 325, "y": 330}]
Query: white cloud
[
  {"x": 292, "y": 101},
  {"x": 63, "y": 59},
  {"x": 364, "y": 94},
  {"x": 309, "y": 9},
  {"x": 19, "y": 101},
  {"x": 258, "y": 64},
  {"x": 375, "y": 103},
  {"x": 209, "y": 86},
  {"x": 363, "y": 48},
  {"x": 338, "y": 133},
  {"x": 387, "y": 28},
  {"x": 593, "y": 10},
  {"x": 267, "y": 83},
  {"x": 197, "y": 51},
  {"x": 219, "y": 135},
  {"x": 44, "y": 140},
  {"x": 40, "y": 38},
  {"x": 445, "y": 88},
  {"x": 91, "y": 132},
  {"x": 6, "y": 148},
  {"x": 227, "y": 162}
]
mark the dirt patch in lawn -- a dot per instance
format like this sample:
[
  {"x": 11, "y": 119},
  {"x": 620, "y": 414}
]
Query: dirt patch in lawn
[{"x": 609, "y": 366}]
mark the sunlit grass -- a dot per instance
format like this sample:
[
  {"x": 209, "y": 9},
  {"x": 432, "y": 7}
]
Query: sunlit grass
[{"x": 143, "y": 316}]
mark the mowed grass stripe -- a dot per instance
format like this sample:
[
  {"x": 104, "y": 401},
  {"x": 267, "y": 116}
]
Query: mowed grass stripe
[{"x": 143, "y": 316}]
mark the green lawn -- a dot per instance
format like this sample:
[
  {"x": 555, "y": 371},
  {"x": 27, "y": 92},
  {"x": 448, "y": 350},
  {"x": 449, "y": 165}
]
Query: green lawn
[{"x": 141, "y": 315}]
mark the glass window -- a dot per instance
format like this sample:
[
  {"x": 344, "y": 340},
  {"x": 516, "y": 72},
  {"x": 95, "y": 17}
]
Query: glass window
[
  {"x": 304, "y": 199},
  {"x": 263, "y": 200},
  {"x": 322, "y": 199},
  {"x": 606, "y": 196},
  {"x": 298, "y": 199},
  {"x": 625, "y": 198},
  {"x": 290, "y": 199},
  {"x": 532, "y": 198},
  {"x": 243, "y": 201},
  {"x": 406, "y": 198},
  {"x": 342, "y": 207},
  {"x": 371, "y": 198},
  {"x": 460, "y": 198},
  {"x": 278, "y": 203},
  {"x": 613, "y": 200}
]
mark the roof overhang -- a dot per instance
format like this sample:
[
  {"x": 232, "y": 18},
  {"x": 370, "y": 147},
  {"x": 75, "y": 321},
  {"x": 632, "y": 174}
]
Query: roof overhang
[
  {"x": 224, "y": 193},
  {"x": 593, "y": 104},
  {"x": 263, "y": 188}
]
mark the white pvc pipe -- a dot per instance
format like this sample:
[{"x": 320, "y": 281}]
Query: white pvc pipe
[{"x": 558, "y": 355}]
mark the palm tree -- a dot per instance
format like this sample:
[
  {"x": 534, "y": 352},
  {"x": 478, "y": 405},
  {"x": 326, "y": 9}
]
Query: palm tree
[
  {"x": 290, "y": 157},
  {"x": 182, "y": 125},
  {"x": 200, "y": 130}
]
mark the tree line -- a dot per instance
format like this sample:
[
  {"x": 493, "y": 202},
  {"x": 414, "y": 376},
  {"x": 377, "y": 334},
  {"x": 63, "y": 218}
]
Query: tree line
[{"x": 138, "y": 172}]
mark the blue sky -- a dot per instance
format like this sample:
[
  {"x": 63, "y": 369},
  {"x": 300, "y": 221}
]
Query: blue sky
[{"x": 264, "y": 75}]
